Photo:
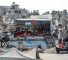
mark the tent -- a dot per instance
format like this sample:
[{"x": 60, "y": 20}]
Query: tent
[
  {"x": 14, "y": 53},
  {"x": 30, "y": 54}
]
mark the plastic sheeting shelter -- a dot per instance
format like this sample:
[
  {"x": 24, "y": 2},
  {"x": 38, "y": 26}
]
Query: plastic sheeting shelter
[
  {"x": 13, "y": 54},
  {"x": 30, "y": 54}
]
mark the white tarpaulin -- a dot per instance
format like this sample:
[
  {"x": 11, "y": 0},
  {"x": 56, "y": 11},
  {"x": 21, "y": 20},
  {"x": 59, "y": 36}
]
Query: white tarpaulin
[
  {"x": 14, "y": 53},
  {"x": 45, "y": 56},
  {"x": 30, "y": 54}
]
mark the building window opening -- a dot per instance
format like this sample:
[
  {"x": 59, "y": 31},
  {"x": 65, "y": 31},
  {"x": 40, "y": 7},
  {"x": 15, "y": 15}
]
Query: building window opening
[
  {"x": 19, "y": 11},
  {"x": 16, "y": 11}
]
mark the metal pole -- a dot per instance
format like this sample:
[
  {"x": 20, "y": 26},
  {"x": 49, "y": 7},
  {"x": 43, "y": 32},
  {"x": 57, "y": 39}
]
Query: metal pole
[{"x": 44, "y": 27}]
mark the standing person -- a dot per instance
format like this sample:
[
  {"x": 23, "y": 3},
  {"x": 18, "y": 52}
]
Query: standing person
[{"x": 38, "y": 50}]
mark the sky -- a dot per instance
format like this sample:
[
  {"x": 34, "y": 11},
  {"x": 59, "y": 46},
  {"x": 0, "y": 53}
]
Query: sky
[{"x": 41, "y": 5}]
